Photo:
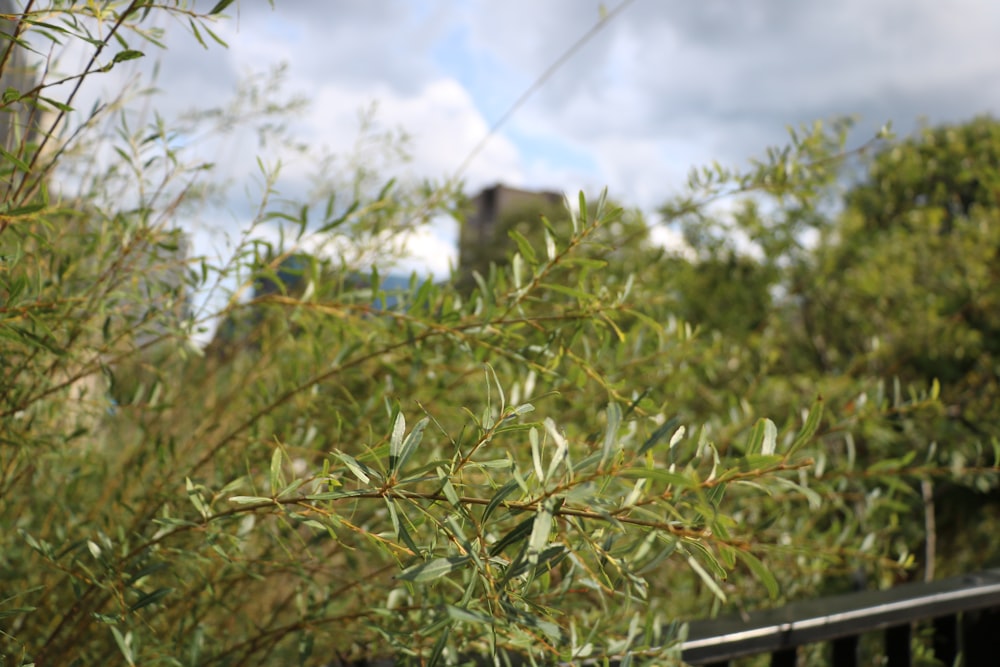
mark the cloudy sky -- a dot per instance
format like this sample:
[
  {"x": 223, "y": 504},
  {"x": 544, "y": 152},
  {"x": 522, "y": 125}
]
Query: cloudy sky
[{"x": 663, "y": 86}]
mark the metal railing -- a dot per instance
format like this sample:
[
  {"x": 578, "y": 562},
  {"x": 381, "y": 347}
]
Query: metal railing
[{"x": 963, "y": 611}]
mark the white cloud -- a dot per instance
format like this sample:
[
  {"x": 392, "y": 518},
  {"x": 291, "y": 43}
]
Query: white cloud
[{"x": 664, "y": 87}]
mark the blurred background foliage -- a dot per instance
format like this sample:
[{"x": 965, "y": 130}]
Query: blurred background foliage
[{"x": 577, "y": 442}]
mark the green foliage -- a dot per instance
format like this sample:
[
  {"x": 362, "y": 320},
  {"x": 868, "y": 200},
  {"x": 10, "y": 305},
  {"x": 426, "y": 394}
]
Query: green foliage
[{"x": 551, "y": 461}]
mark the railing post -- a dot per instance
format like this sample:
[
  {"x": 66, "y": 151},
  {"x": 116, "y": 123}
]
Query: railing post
[
  {"x": 786, "y": 657},
  {"x": 845, "y": 652},
  {"x": 897, "y": 646},
  {"x": 979, "y": 637}
]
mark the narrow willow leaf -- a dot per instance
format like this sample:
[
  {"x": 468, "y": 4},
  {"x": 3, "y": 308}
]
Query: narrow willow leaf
[
  {"x": 660, "y": 433},
  {"x": 195, "y": 497},
  {"x": 458, "y": 532},
  {"x": 667, "y": 477},
  {"x": 499, "y": 497},
  {"x": 127, "y": 54},
  {"x": 756, "y": 439},
  {"x": 220, "y": 6},
  {"x": 250, "y": 500},
  {"x": 397, "y": 525},
  {"x": 439, "y": 647},
  {"x": 562, "y": 448},
  {"x": 536, "y": 454},
  {"x": 432, "y": 569},
  {"x": 277, "y": 478},
  {"x": 770, "y": 442},
  {"x": 450, "y": 493},
  {"x": 523, "y": 409},
  {"x": 124, "y": 644},
  {"x": 614, "y": 418},
  {"x": 758, "y": 569},
  {"x": 550, "y": 245},
  {"x": 150, "y": 598},
  {"x": 574, "y": 216},
  {"x": 892, "y": 464},
  {"x": 578, "y": 294},
  {"x": 540, "y": 530},
  {"x": 517, "y": 270},
  {"x": 524, "y": 247},
  {"x": 411, "y": 442},
  {"x": 496, "y": 381},
  {"x": 710, "y": 581},
  {"x": 517, "y": 534},
  {"x": 357, "y": 469},
  {"x": 809, "y": 428},
  {"x": 813, "y": 498},
  {"x": 396, "y": 442},
  {"x": 468, "y": 616},
  {"x": 633, "y": 497}
]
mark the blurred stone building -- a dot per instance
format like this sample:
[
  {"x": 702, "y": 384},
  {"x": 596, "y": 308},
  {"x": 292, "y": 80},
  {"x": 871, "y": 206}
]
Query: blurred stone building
[{"x": 483, "y": 237}]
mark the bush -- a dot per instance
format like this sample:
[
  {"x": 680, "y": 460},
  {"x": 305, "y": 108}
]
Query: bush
[{"x": 553, "y": 465}]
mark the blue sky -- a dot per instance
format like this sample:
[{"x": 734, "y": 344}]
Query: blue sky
[{"x": 664, "y": 87}]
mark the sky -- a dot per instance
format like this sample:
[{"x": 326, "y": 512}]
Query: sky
[{"x": 664, "y": 86}]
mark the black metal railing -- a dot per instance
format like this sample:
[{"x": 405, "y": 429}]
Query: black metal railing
[{"x": 964, "y": 613}]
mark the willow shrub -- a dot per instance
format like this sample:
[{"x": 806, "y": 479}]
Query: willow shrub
[{"x": 516, "y": 470}]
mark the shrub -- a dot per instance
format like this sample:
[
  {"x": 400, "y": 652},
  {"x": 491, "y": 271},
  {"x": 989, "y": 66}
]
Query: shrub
[{"x": 553, "y": 465}]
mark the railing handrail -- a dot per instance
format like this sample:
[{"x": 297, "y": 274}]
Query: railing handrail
[{"x": 838, "y": 616}]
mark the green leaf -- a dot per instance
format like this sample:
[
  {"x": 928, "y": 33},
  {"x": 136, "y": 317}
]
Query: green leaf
[
  {"x": 449, "y": 492},
  {"x": 660, "y": 433},
  {"x": 524, "y": 247},
  {"x": 499, "y": 497},
  {"x": 26, "y": 210},
  {"x": 888, "y": 465},
  {"x": 220, "y": 6},
  {"x": 16, "y": 161},
  {"x": 250, "y": 500},
  {"x": 578, "y": 294},
  {"x": 194, "y": 495},
  {"x": 150, "y": 598},
  {"x": 467, "y": 616},
  {"x": 709, "y": 580},
  {"x": 517, "y": 534},
  {"x": 57, "y": 104},
  {"x": 770, "y": 441},
  {"x": 359, "y": 470},
  {"x": 562, "y": 448},
  {"x": 127, "y": 54},
  {"x": 432, "y": 569},
  {"x": 339, "y": 220},
  {"x": 411, "y": 442},
  {"x": 124, "y": 644},
  {"x": 809, "y": 428},
  {"x": 614, "y": 418},
  {"x": 396, "y": 442},
  {"x": 550, "y": 245},
  {"x": 541, "y": 529},
  {"x": 760, "y": 571},
  {"x": 400, "y": 527},
  {"x": 756, "y": 441},
  {"x": 676, "y": 479},
  {"x": 277, "y": 478},
  {"x": 439, "y": 647}
]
